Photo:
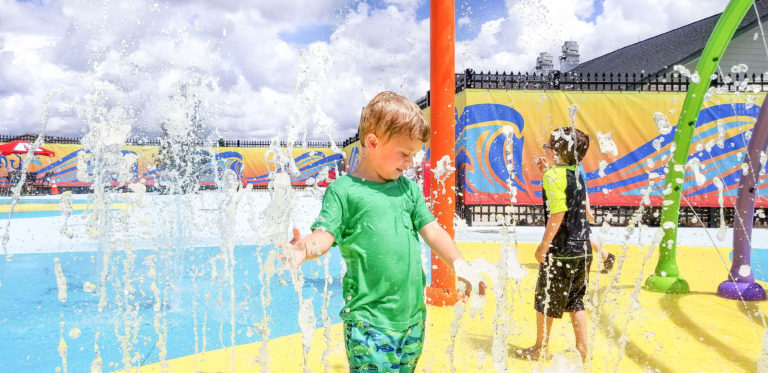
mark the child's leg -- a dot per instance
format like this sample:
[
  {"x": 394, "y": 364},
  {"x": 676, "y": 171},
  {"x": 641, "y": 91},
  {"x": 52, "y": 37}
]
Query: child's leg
[
  {"x": 598, "y": 248},
  {"x": 543, "y": 329},
  {"x": 579, "y": 321},
  {"x": 541, "y": 348}
]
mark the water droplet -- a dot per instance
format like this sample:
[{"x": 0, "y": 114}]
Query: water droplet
[
  {"x": 662, "y": 123},
  {"x": 744, "y": 270},
  {"x": 74, "y": 333}
]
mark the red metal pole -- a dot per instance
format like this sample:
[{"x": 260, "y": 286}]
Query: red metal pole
[{"x": 442, "y": 290}]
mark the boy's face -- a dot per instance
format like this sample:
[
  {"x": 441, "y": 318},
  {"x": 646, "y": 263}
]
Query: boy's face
[
  {"x": 550, "y": 156},
  {"x": 393, "y": 156}
]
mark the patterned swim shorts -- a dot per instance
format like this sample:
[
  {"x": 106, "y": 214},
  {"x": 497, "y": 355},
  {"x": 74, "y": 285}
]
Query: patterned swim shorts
[{"x": 372, "y": 349}]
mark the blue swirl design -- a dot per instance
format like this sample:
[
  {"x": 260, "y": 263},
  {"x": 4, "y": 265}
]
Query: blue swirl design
[
  {"x": 309, "y": 165},
  {"x": 229, "y": 160},
  {"x": 481, "y": 151},
  {"x": 62, "y": 170},
  {"x": 354, "y": 157},
  {"x": 11, "y": 161}
]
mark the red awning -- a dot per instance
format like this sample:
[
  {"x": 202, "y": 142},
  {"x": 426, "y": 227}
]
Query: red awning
[{"x": 22, "y": 147}]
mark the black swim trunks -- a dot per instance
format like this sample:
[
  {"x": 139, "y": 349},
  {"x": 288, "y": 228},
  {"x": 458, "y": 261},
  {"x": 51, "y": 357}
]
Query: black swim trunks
[{"x": 561, "y": 286}]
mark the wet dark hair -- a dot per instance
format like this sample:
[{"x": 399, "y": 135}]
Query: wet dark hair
[{"x": 570, "y": 144}]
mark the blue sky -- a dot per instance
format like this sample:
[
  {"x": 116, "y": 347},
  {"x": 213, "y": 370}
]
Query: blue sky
[{"x": 477, "y": 11}]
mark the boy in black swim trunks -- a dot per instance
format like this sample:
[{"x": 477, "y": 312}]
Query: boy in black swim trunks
[{"x": 564, "y": 253}]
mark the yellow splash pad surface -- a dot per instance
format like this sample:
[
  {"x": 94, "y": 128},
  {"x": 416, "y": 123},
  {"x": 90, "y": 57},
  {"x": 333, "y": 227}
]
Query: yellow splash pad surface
[
  {"x": 34, "y": 207},
  {"x": 631, "y": 329},
  {"x": 39, "y": 207}
]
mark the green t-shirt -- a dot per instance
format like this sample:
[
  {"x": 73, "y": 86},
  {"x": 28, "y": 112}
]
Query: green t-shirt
[
  {"x": 554, "y": 184},
  {"x": 375, "y": 226}
]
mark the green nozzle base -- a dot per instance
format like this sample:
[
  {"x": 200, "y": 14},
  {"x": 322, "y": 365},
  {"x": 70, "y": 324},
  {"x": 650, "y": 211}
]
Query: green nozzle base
[{"x": 669, "y": 285}]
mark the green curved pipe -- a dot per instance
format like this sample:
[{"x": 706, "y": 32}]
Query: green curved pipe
[{"x": 666, "y": 277}]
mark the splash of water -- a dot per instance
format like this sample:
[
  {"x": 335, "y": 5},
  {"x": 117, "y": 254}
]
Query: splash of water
[
  {"x": 97, "y": 364},
  {"x": 458, "y": 313},
  {"x": 232, "y": 197},
  {"x": 61, "y": 281},
  {"x": 723, "y": 228},
  {"x": 749, "y": 102},
  {"x": 607, "y": 146},
  {"x": 762, "y": 362},
  {"x": 682, "y": 70},
  {"x": 564, "y": 363},
  {"x": 739, "y": 69},
  {"x": 62, "y": 348},
  {"x": 16, "y": 190},
  {"x": 695, "y": 165},
  {"x": 326, "y": 318},
  {"x": 602, "y": 165},
  {"x": 662, "y": 123},
  {"x": 508, "y": 271},
  {"x": 443, "y": 169},
  {"x": 510, "y": 162},
  {"x": 572, "y": 112},
  {"x": 65, "y": 206}
]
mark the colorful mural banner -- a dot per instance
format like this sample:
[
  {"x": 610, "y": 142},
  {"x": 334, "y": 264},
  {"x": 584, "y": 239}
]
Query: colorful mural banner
[
  {"x": 500, "y": 133},
  {"x": 74, "y": 167},
  {"x": 498, "y": 136}
]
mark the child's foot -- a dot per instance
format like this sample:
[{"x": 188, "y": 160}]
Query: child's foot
[
  {"x": 608, "y": 264},
  {"x": 532, "y": 353}
]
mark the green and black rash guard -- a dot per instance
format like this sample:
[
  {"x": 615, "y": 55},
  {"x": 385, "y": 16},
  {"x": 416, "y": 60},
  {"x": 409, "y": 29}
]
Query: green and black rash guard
[{"x": 561, "y": 193}]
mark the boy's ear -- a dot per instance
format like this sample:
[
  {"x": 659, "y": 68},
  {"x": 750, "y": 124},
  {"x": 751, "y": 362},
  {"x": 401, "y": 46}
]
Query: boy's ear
[{"x": 371, "y": 141}]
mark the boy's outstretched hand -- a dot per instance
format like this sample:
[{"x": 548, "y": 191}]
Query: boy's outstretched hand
[
  {"x": 468, "y": 287},
  {"x": 543, "y": 163},
  {"x": 298, "y": 248},
  {"x": 310, "y": 247},
  {"x": 471, "y": 276}
]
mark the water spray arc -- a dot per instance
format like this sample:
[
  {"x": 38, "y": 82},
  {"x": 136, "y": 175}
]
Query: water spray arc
[{"x": 666, "y": 277}]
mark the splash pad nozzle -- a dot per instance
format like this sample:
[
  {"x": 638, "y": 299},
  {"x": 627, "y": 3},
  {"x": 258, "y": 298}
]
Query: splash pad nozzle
[
  {"x": 667, "y": 284},
  {"x": 748, "y": 291}
]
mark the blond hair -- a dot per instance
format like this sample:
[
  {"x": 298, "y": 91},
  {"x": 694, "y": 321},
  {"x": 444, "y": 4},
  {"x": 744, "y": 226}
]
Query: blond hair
[{"x": 390, "y": 114}]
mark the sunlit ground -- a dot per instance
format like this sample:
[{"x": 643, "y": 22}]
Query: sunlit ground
[{"x": 698, "y": 331}]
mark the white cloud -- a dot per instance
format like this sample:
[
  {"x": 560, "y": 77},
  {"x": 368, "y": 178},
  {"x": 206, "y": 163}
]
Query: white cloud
[{"x": 144, "y": 48}]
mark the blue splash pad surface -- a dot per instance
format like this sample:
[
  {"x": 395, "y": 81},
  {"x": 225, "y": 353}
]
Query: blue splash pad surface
[
  {"x": 37, "y": 214},
  {"x": 45, "y": 201},
  {"x": 759, "y": 260},
  {"x": 31, "y": 313}
]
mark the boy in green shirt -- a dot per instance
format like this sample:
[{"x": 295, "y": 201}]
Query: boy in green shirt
[
  {"x": 564, "y": 253},
  {"x": 373, "y": 215}
]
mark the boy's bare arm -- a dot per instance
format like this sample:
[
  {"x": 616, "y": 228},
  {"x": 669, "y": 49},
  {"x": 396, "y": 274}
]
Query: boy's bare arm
[
  {"x": 440, "y": 242},
  {"x": 590, "y": 216},
  {"x": 310, "y": 247},
  {"x": 443, "y": 245},
  {"x": 553, "y": 225}
]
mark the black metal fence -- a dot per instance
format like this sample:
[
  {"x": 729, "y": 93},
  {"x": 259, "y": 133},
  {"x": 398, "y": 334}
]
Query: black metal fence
[
  {"x": 533, "y": 215},
  {"x": 156, "y": 141},
  {"x": 612, "y": 81}
]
